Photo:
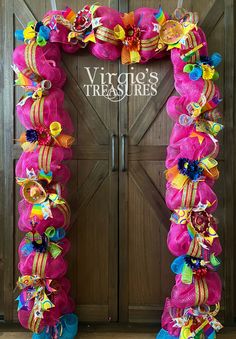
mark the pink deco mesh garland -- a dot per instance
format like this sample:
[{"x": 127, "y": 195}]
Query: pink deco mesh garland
[{"x": 44, "y": 303}]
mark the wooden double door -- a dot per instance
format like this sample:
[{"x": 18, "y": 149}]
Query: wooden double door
[{"x": 119, "y": 264}]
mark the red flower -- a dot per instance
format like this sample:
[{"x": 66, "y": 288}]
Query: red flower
[{"x": 44, "y": 137}]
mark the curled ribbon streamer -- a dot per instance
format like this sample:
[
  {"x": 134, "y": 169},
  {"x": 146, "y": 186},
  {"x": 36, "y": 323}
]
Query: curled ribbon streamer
[{"x": 197, "y": 117}]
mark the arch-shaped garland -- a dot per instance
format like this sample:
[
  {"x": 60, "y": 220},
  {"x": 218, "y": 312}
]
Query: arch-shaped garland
[{"x": 44, "y": 304}]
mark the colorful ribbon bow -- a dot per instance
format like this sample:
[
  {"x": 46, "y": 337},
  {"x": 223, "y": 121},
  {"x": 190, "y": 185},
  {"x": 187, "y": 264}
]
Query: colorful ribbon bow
[
  {"x": 46, "y": 242},
  {"x": 35, "y": 288},
  {"x": 130, "y": 37},
  {"x": 35, "y": 194},
  {"x": 190, "y": 267},
  {"x": 203, "y": 116},
  {"x": 198, "y": 321},
  {"x": 81, "y": 25},
  {"x": 199, "y": 223},
  {"x": 174, "y": 32},
  {"x": 194, "y": 170},
  {"x": 35, "y": 88},
  {"x": 34, "y": 31},
  {"x": 43, "y": 210},
  {"x": 43, "y": 136},
  {"x": 204, "y": 68}
]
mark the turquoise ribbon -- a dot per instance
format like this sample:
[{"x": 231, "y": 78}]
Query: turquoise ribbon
[
  {"x": 66, "y": 328},
  {"x": 165, "y": 335}
]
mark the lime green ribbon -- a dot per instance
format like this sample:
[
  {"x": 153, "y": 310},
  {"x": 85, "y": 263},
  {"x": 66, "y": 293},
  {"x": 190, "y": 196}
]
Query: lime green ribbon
[{"x": 187, "y": 275}]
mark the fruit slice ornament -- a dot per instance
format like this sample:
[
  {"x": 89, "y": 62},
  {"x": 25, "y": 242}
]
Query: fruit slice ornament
[{"x": 174, "y": 32}]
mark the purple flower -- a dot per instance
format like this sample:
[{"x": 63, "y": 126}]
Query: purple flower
[
  {"x": 190, "y": 168},
  {"x": 31, "y": 135}
]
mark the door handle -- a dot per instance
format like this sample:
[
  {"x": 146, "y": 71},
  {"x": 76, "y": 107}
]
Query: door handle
[
  {"x": 123, "y": 155},
  {"x": 113, "y": 155}
]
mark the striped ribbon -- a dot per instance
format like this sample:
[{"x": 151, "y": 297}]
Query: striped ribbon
[
  {"x": 30, "y": 57},
  {"x": 39, "y": 264},
  {"x": 33, "y": 323},
  {"x": 107, "y": 35},
  {"x": 189, "y": 194},
  {"x": 190, "y": 43},
  {"x": 195, "y": 249},
  {"x": 149, "y": 44},
  {"x": 201, "y": 291},
  {"x": 65, "y": 210},
  {"x": 45, "y": 157},
  {"x": 36, "y": 112}
]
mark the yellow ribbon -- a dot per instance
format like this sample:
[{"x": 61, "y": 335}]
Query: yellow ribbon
[
  {"x": 29, "y": 32},
  {"x": 55, "y": 128},
  {"x": 119, "y": 33}
]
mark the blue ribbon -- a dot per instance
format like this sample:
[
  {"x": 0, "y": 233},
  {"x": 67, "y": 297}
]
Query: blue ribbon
[
  {"x": 178, "y": 264},
  {"x": 60, "y": 234}
]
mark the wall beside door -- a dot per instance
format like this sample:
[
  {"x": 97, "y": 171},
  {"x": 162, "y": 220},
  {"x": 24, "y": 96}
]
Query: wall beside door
[{"x": 119, "y": 262}]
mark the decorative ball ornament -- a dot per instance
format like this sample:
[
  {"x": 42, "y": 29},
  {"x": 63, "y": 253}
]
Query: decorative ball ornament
[
  {"x": 34, "y": 192},
  {"x": 171, "y": 32}
]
